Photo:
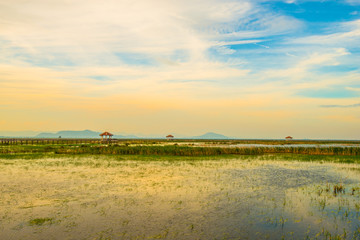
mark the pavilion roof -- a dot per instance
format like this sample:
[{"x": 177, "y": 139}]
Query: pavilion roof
[
  {"x": 106, "y": 134},
  {"x": 170, "y": 135}
]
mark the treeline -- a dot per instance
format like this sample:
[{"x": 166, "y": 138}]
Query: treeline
[{"x": 206, "y": 151}]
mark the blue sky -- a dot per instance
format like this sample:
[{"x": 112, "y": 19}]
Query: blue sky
[{"x": 213, "y": 65}]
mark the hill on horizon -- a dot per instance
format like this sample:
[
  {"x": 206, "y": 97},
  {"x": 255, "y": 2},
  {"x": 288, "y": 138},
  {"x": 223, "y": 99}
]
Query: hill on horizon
[
  {"x": 78, "y": 134},
  {"x": 94, "y": 134},
  {"x": 211, "y": 135}
]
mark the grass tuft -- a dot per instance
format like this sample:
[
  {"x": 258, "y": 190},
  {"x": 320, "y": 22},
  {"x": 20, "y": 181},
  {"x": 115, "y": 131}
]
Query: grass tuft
[{"x": 41, "y": 221}]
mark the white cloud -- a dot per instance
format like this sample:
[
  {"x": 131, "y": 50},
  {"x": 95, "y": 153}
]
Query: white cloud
[
  {"x": 221, "y": 47},
  {"x": 89, "y": 32},
  {"x": 301, "y": 69},
  {"x": 353, "y": 2},
  {"x": 224, "y": 50},
  {"x": 325, "y": 59},
  {"x": 343, "y": 34},
  {"x": 237, "y": 42},
  {"x": 353, "y": 89}
]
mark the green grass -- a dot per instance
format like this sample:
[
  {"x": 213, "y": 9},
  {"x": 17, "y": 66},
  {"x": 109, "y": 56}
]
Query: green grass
[
  {"x": 40, "y": 221},
  {"x": 174, "y": 152},
  {"x": 77, "y": 159}
]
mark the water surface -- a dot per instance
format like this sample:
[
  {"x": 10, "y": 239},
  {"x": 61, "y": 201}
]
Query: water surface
[{"x": 208, "y": 199}]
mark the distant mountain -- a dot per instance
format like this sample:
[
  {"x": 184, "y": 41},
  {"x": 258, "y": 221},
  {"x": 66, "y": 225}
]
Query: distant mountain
[
  {"x": 9, "y": 134},
  {"x": 94, "y": 134},
  {"x": 211, "y": 135},
  {"x": 47, "y": 135},
  {"x": 70, "y": 134},
  {"x": 78, "y": 134}
]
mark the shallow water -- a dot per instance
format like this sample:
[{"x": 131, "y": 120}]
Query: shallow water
[
  {"x": 296, "y": 145},
  {"x": 218, "y": 199}
]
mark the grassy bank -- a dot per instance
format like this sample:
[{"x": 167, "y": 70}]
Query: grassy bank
[
  {"x": 206, "y": 151},
  {"x": 175, "y": 150},
  {"x": 175, "y": 153}
]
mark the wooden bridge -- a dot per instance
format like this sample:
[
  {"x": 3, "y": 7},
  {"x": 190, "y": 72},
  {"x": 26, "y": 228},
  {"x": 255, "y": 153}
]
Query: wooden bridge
[{"x": 28, "y": 141}]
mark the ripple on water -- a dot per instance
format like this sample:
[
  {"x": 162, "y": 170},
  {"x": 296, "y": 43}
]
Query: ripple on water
[{"x": 182, "y": 200}]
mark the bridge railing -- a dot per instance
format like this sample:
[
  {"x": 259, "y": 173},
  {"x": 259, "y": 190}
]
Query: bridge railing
[{"x": 29, "y": 141}]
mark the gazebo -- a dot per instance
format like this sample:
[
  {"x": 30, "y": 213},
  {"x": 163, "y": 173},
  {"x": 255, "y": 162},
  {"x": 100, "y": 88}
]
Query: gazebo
[
  {"x": 169, "y": 137},
  {"x": 289, "y": 138},
  {"x": 107, "y": 136}
]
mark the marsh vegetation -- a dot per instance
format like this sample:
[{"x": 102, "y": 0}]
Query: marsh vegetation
[
  {"x": 178, "y": 148},
  {"x": 179, "y": 197}
]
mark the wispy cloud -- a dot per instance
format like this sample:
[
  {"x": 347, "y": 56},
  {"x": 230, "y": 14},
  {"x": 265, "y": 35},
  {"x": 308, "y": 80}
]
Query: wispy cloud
[
  {"x": 89, "y": 32},
  {"x": 340, "y": 34},
  {"x": 300, "y": 67},
  {"x": 341, "y": 106},
  {"x": 353, "y": 2},
  {"x": 237, "y": 42}
]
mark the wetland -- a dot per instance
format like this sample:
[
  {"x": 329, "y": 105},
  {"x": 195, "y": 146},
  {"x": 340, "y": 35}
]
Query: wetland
[{"x": 273, "y": 196}]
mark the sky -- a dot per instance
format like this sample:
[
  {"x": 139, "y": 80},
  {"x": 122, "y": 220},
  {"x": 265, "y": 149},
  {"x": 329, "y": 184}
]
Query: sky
[{"x": 245, "y": 69}]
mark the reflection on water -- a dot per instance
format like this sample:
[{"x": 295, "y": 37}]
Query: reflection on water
[
  {"x": 227, "y": 199},
  {"x": 295, "y": 145}
]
